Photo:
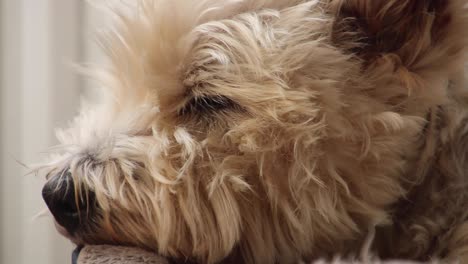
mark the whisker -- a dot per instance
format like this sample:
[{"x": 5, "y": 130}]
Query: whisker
[{"x": 43, "y": 213}]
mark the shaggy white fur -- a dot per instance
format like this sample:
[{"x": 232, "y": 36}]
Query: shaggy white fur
[{"x": 277, "y": 130}]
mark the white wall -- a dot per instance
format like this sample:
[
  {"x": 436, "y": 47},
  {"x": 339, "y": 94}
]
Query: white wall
[{"x": 38, "y": 92}]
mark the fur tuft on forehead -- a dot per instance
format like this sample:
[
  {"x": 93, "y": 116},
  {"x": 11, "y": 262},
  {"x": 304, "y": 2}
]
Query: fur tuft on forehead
[
  {"x": 152, "y": 44},
  {"x": 270, "y": 131}
]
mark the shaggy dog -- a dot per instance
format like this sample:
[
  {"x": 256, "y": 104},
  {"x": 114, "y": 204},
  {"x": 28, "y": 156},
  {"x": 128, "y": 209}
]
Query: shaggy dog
[{"x": 271, "y": 131}]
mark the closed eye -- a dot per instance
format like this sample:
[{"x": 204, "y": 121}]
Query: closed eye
[{"x": 208, "y": 105}]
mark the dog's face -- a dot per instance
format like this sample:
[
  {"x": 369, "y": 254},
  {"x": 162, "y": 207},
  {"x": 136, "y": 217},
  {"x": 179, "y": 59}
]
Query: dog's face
[{"x": 236, "y": 127}]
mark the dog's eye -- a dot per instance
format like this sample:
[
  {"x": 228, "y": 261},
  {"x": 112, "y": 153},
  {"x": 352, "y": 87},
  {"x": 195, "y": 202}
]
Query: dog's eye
[{"x": 208, "y": 104}]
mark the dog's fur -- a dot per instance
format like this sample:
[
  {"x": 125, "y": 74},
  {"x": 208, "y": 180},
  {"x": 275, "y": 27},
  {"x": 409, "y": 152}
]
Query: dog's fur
[{"x": 278, "y": 130}]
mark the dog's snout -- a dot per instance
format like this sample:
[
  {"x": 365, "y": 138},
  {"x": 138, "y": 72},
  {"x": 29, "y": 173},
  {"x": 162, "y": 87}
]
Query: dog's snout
[{"x": 68, "y": 208}]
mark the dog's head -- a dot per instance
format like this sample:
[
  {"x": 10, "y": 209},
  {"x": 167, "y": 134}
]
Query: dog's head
[{"x": 257, "y": 125}]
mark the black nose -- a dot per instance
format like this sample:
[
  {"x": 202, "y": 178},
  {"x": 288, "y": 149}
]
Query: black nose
[{"x": 69, "y": 209}]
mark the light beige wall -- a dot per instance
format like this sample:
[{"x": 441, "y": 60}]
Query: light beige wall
[
  {"x": 38, "y": 92},
  {"x": 10, "y": 194}
]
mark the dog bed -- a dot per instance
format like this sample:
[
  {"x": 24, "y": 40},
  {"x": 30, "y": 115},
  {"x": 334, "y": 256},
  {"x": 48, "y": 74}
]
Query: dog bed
[
  {"x": 127, "y": 255},
  {"x": 115, "y": 255}
]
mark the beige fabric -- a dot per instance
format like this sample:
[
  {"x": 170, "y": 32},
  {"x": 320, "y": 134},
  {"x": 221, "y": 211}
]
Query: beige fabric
[
  {"x": 126, "y": 255},
  {"x": 118, "y": 255}
]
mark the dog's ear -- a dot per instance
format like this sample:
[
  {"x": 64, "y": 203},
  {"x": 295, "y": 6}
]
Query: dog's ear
[
  {"x": 410, "y": 49},
  {"x": 409, "y": 29}
]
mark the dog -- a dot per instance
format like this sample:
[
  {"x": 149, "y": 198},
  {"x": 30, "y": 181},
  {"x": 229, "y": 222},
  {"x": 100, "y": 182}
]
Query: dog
[{"x": 273, "y": 131}]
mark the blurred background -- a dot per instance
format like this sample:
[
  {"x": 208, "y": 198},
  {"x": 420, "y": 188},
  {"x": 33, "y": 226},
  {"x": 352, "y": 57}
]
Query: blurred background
[{"x": 39, "y": 40}]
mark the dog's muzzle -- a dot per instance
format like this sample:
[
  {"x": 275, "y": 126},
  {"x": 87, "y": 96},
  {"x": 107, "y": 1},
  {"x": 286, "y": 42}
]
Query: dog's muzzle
[{"x": 69, "y": 210}]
